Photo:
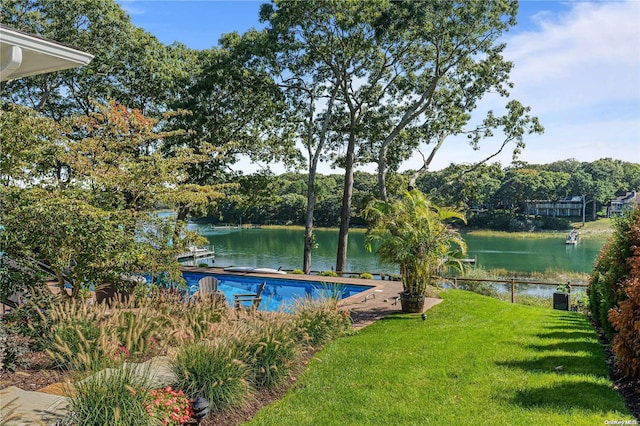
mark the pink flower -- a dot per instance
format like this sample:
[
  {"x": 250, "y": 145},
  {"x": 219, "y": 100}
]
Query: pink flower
[{"x": 169, "y": 406}]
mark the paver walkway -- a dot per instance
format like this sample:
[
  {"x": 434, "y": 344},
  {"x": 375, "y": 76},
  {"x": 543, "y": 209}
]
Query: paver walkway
[{"x": 22, "y": 408}]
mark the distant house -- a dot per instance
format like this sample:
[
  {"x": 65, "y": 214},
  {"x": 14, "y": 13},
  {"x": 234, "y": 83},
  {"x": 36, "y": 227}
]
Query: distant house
[
  {"x": 623, "y": 203},
  {"x": 565, "y": 207}
]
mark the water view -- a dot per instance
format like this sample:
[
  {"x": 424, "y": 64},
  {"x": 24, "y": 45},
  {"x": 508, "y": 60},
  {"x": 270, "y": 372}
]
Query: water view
[{"x": 282, "y": 248}]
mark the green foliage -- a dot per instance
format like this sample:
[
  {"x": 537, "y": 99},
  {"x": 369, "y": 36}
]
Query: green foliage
[
  {"x": 28, "y": 147},
  {"x": 112, "y": 397},
  {"x": 270, "y": 348},
  {"x": 214, "y": 370},
  {"x": 327, "y": 274},
  {"x": 87, "y": 337},
  {"x": 13, "y": 349},
  {"x": 298, "y": 272},
  {"x": 32, "y": 318},
  {"x": 413, "y": 233},
  {"x": 196, "y": 320},
  {"x": 479, "y": 287},
  {"x": 611, "y": 269},
  {"x": 78, "y": 340},
  {"x": 625, "y": 318},
  {"x": 319, "y": 320},
  {"x": 554, "y": 223},
  {"x": 366, "y": 276},
  {"x": 130, "y": 65}
]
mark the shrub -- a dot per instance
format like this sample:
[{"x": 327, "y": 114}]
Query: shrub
[
  {"x": 32, "y": 318},
  {"x": 479, "y": 287},
  {"x": 625, "y": 318},
  {"x": 327, "y": 274},
  {"x": 366, "y": 276},
  {"x": 611, "y": 269},
  {"x": 93, "y": 336},
  {"x": 553, "y": 223},
  {"x": 112, "y": 397},
  {"x": 13, "y": 349},
  {"x": 196, "y": 319},
  {"x": 213, "y": 370},
  {"x": 76, "y": 336},
  {"x": 298, "y": 272},
  {"x": 271, "y": 348},
  {"x": 319, "y": 320}
]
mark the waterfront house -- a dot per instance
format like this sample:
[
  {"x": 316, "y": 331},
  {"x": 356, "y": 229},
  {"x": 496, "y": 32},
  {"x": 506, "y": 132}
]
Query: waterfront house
[
  {"x": 565, "y": 207},
  {"x": 623, "y": 203}
]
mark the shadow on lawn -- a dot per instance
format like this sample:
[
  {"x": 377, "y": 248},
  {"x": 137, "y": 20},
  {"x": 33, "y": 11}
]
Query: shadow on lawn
[
  {"x": 569, "y": 346},
  {"x": 570, "y": 364},
  {"x": 595, "y": 397},
  {"x": 567, "y": 334}
]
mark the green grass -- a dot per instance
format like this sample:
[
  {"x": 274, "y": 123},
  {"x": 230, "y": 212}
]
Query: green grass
[{"x": 475, "y": 361}]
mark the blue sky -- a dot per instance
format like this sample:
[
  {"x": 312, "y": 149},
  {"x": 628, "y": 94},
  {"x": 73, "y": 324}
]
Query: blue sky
[{"x": 577, "y": 64}]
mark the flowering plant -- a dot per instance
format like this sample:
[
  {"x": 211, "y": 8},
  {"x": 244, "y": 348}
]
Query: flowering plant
[{"x": 169, "y": 406}]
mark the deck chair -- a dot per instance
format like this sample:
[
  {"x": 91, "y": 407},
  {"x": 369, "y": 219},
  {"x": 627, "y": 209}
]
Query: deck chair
[
  {"x": 254, "y": 298},
  {"x": 209, "y": 287}
]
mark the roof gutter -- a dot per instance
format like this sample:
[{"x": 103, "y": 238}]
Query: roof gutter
[{"x": 12, "y": 63}]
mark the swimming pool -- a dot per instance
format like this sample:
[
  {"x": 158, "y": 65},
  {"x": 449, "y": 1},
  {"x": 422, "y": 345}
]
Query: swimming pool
[{"x": 278, "y": 293}]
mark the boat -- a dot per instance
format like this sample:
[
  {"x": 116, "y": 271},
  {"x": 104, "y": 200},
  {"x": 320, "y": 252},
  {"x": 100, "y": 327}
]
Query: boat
[
  {"x": 253, "y": 270},
  {"x": 197, "y": 253},
  {"x": 572, "y": 237}
]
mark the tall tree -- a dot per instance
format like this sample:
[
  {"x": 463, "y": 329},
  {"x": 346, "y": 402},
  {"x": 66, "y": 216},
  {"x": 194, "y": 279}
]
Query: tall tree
[
  {"x": 310, "y": 48},
  {"x": 234, "y": 111}
]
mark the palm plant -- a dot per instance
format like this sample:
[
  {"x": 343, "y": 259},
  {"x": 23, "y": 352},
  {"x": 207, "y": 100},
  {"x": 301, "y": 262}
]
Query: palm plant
[{"x": 414, "y": 233}]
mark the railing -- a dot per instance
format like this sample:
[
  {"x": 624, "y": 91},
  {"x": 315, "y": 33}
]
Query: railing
[{"x": 514, "y": 281}]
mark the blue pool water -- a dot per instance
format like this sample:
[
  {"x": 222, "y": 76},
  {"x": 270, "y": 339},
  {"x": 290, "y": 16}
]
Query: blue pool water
[{"x": 278, "y": 293}]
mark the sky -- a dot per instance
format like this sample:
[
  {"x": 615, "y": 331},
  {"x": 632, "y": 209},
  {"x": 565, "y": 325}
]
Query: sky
[{"x": 576, "y": 64}]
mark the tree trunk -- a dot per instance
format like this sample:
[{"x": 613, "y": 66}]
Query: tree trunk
[
  {"x": 308, "y": 226},
  {"x": 345, "y": 211},
  {"x": 382, "y": 174}
]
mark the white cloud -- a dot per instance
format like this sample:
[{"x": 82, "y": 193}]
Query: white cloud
[{"x": 585, "y": 57}]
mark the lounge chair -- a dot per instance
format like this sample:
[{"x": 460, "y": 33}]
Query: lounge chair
[
  {"x": 254, "y": 298},
  {"x": 209, "y": 287}
]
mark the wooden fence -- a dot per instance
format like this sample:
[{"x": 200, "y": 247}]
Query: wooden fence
[{"x": 514, "y": 281}]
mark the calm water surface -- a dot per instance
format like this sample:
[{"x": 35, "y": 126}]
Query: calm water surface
[{"x": 274, "y": 248}]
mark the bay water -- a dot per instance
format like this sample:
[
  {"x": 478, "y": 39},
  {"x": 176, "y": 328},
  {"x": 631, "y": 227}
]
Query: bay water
[{"x": 283, "y": 248}]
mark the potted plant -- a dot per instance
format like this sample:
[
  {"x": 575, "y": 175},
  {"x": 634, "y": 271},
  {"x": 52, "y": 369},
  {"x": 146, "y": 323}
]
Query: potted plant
[{"x": 414, "y": 234}]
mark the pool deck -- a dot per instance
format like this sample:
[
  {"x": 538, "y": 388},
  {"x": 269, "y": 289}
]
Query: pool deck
[{"x": 364, "y": 308}]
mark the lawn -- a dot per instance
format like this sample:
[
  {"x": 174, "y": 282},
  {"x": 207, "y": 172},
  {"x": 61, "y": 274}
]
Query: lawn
[{"x": 475, "y": 360}]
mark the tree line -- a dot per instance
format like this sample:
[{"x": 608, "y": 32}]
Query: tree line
[{"x": 490, "y": 190}]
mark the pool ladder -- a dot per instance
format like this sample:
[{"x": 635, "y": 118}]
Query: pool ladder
[{"x": 366, "y": 297}]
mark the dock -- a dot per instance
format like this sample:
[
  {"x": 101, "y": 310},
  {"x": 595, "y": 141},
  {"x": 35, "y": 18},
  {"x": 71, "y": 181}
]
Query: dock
[{"x": 197, "y": 253}]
